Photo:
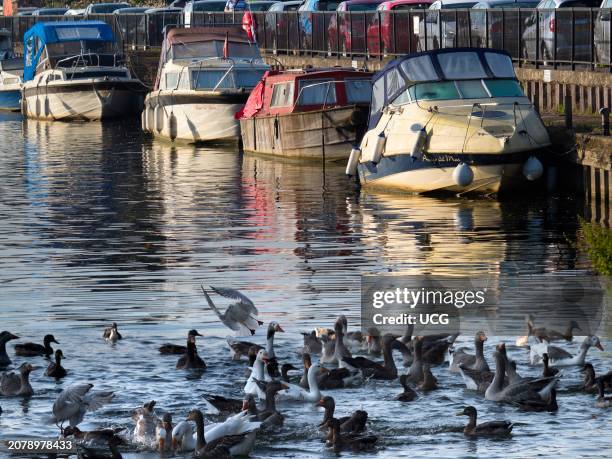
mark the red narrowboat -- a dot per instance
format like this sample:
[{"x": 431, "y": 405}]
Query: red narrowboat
[{"x": 308, "y": 113}]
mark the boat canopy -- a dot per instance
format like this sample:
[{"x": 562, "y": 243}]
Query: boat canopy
[
  {"x": 44, "y": 33},
  {"x": 437, "y": 65},
  {"x": 6, "y": 45}
]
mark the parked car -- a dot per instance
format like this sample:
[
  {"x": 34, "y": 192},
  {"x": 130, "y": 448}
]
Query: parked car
[
  {"x": 158, "y": 19},
  {"x": 349, "y": 32},
  {"x": 49, "y": 12},
  {"x": 205, "y": 6},
  {"x": 318, "y": 26},
  {"x": 602, "y": 33},
  {"x": 104, "y": 8},
  {"x": 554, "y": 20},
  {"x": 133, "y": 10},
  {"x": 291, "y": 5},
  {"x": 75, "y": 12},
  {"x": 281, "y": 23},
  {"x": 26, "y": 11},
  {"x": 178, "y": 4},
  {"x": 261, "y": 5},
  {"x": 395, "y": 29},
  {"x": 437, "y": 22}
]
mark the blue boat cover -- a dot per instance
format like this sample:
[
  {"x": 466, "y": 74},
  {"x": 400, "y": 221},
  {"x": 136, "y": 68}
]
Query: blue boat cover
[{"x": 43, "y": 33}]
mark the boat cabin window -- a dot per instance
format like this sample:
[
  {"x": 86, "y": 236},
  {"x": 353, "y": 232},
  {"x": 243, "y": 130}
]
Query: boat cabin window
[
  {"x": 419, "y": 69},
  {"x": 504, "y": 88},
  {"x": 357, "y": 90},
  {"x": 461, "y": 65},
  {"x": 500, "y": 65},
  {"x": 471, "y": 89},
  {"x": 222, "y": 79},
  {"x": 213, "y": 49},
  {"x": 461, "y": 89},
  {"x": 78, "y": 33},
  {"x": 378, "y": 95},
  {"x": 282, "y": 95},
  {"x": 317, "y": 92}
]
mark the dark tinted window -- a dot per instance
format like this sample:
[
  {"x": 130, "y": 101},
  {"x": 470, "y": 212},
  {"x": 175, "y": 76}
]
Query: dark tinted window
[
  {"x": 580, "y": 4},
  {"x": 414, "y": 6},
  {"x": 363, "y": 7}
]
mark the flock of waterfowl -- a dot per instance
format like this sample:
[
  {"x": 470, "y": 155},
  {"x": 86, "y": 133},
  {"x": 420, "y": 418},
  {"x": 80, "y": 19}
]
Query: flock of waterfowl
[{"x": 268, "y": 382}]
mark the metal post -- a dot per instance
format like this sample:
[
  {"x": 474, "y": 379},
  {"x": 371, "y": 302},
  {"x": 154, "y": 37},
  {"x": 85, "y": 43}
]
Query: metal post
[
  {"x": 380, "y": 40},
  {"x": 572, "y": 55},
  {"x": 486, "y": 45},
  {"x": 605, "y": 120},
  {"x": 567, "y": 109}
]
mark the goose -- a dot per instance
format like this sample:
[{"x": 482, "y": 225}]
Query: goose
[
  {"x": 602, "y": 400},
  {"x": 191, "y": 360},
  {"x": 17, "y": 384},
  {"x": 251, "y": 386},
  {"x": 476, "y": 380},
  {"x": 285, "y": 369},
  {"x": 91, "y": 436},
  {"x": 560, "y": 357},
  {"x": 339, "y": 441},
  {"x": 375, "y": 370},
  {"x": 340, "y": 349},
  {"x": 544, "y": 334},
  {"x": 163, "y": 434},
  {"x": 429, "y": 382},
  {"x": 75, "y": 401},
  {"x": 408, "y": 394},
  {"x": 538, "y": 404},
  {"x": 5, "y": 337},
  {"x": 240, "y": 316},
  {"x": 312, "y": 343},
  {"x": 222, "y": 406},
  {"x": 32, "y": 349},
  {"x": 86, "y": 452},
  {"x": 532, "y": 389},
  {"x": 473, "y": 362},
  {"x": 338, "y": 378},
  {"x": 55, "y": 369},
  {"x": 269, "y": 417},
  {"x": 354, "y": 423},
  {"x": 111, "y": 334},
  {"x": 548, "y": 370},
  {"x": 240, "y": 348},
  {"x": 435, "y": 346},
  {"x": 145, "y": 424},
  {"x": 328, "y": 350},
  {"x": 234, "y": 437},
  {"x": 589, "y": 383},
  {"x": 353, "y": 340},
  {"x": 415, "y": 372},
  {"x": 297, "y": 393},
  {"x": 373, "y": 341},
  {"x": 177, "y": 349},
  {"x": 491, "y": 428}
]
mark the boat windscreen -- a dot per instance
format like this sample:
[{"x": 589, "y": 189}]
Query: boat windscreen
[
  {"x": 419, "y": 68},
  {"x": 214, "y": 48},
  {"x": 358, "y": 90},
  {"x": 78, "y": 33},
  {"x": 461, "y": 65},
  {"x": 206, "y": 79},
  {"x": 317, "y": 92},
  {"x": 500, "y": 65},
  {"x": 72, "y": 48}
]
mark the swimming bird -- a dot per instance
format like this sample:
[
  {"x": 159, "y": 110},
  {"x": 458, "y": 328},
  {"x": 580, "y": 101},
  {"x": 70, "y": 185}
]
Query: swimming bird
[
  {"x": 354, "y": 423},
  {"x": 285, "y": 369},
  {"x": 589, "y": 383},
  {"x": 269, "y": 416},
  {"x": 87, "y": 452},
  {"x": 251, "y": 386},
  {"x": 602, "y": 400},
  {"x": 544, "y": 334},
  {"x": 373, "y": 341},
  {"x": 240, "y": 316},
  {"x": 5, "y": 337},
  {"x": 375, "y": 370},
  {"x": 312, "y": 343},
  {"x": 415, "y": 372},
  {"x": 353, "y": 340},
  {"x": 429, "y": 382},
  {"x": 55, "y": 369},
  {"x": 340, "y": 349},
  {"x": 32, "y": 349},
  {"x": 17, "y": 384},
  {"x": 548, "y": 370},
  {"x": 560, "y": 357},
  {"x": 111, "y": 334},
  {"x": 536, "y": 404},
  {"x": 408, "y": 394},
  {"x": 338, "y": 378},
  {"x": 145, "y": 424},
  {"x": 272, "y": 362},
  {"x": 473, "y": 362},
  {"x": 222, "y": 406},
  {"x": 75, "y": 401},
  {"x": 328, "y": 349},
  {"x": 177, "y": 349},
  {"x": 240, "y": 348},
  {"x": 91, "y": 436},
  {"x": 354, "y": 442},
  {"x": 163, "y": 433},
  {"x": 491, "y": 428},
  {"x": 297, "y": 393},
  {"x": 191, "y": 360},
  {"x": 435, "y": 346}
]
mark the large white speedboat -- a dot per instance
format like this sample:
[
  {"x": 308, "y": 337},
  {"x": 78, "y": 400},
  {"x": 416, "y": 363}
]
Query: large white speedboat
[
  {"x": 205, "y": 76},
  {"x": 450, "y": 120},
  {"x": 74, "y": 71},
  {"x": 11, "y": 69}
]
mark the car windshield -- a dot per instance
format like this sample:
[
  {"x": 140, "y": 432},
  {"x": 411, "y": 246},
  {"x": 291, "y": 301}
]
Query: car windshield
[
  {"x": 106, "y": 8},
  {"x": 452, "y": 6},
  {"x": 209, "y": 6},
  {"x": 213, "y": 49},
  {"x": 363, "y": 7},
  {"x": 260, "y": 6}
]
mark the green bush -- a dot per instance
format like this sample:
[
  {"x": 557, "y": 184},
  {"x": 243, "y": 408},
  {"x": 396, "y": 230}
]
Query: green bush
[{"x": 596, "y": 241}]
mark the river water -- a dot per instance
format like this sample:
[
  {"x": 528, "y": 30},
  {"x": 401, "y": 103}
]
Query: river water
[{"x": 99, "y": 224}]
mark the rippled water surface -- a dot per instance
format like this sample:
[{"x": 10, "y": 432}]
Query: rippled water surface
[{"x": 99, "y": 224}]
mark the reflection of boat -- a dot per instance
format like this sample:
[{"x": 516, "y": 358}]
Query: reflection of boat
[
  {"x": 453, "y": 120},
  {"x": 73, "y": 71},
  {"x": 205, "y": 75},
  {"x": 308, "y": 114},
  {"x": 11, "y": 69}
]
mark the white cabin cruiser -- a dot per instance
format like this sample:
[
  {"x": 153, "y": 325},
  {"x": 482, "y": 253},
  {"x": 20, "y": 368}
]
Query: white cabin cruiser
[
  {"x": 73, "y": 71},
  {"x": 205, "y": 76},
  {"x": 11, "y": 70},
  {"x": 451, "y": 120}
]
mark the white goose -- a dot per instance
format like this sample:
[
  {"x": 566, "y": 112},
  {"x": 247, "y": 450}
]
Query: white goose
[
  {"x": 560, "y": 357},
  {"x": 258, "y": 372},
  {"x": 297, "y": 393}
]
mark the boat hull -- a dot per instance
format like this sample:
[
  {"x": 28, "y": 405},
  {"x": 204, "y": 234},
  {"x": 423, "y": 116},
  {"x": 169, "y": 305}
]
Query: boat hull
[
  {"x": 193, "y": 116},
  {"x": 10, "y": 100},
  {"x": 326, "y": 135},
  {"x": 496, "y": 173},
  {"x": 92, "y": 100}
]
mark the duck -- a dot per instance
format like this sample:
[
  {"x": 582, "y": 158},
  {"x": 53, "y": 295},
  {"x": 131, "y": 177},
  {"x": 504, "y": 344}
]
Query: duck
[
  {"x": 146, "y": 422},
  {"x": 602, "y": 400},
  {"x": 241, "y": 348},
  {"x": 312, "y": 343},
  {"x": 285, "y": 369},
  {"x": 191, "y": 360},
  {"x": 221, "y": 441},
  {"x": 473, "y": 362},
  {"x": 560, "y": 357},
  {"x": 111, "y": 334},
  {"x": 491, "y": 428},
  {"x": 269, "y": 416},
  {"x": 538, "y": 389},
  {"x": 75, "y": 401},
  {"x": 222, "y": 406},
  {"x": 5, "y": 337},
  {"x": 535, "y": 404},
  {"x": 55, "y": 369},
  {"x": 251, "y": 386},
  {"x": 548, "y": 370},
  {"x": 86, "y": 452},
  {"x": 429, "y": 382},
  {"x": 354, "y": 423},
  {"x": 163, "y": 433},
  {"x": 91, "y": 436},
  {"x": 17, "y": 384},
  {"x": 177, "y": 349},
  {"x": 354, "y": 442},
  {"x": 241, "y": 316},
  {"x": 371, "y": 369},
  {"x": 589, "y": 383},
  {"x": 338, "y": 378},
  {"x": 33, "y": 349},
  {"x": 296, "y": 393},
  {"x": 408, "y": 394}
]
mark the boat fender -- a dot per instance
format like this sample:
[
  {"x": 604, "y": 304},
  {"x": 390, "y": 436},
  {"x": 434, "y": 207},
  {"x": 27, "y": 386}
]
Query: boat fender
[
  {"x": 37, "y": 107},
  {"x": 533, "y": 168},
  {"x": 463, "y": 175},
  {"x": 172, "y": 126},
  {"x": 419, "y": 144},
  {"x": 379, "y": 147},
  {"x": 150, "y": 118},
  {"x": 351, "y": 166},
  {"x": 47, "y": 109},
  {"x": 158, "y": 116}
]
